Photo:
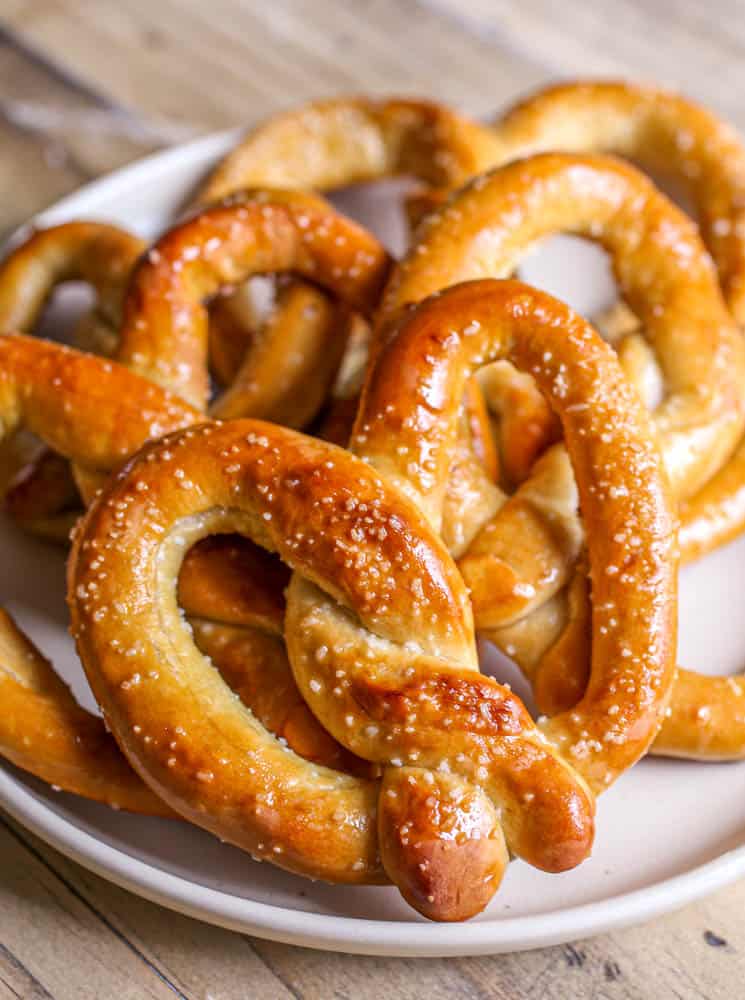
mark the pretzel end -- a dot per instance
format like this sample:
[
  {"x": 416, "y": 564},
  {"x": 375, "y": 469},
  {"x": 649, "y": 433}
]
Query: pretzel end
[{"x": 441, "y": 842}]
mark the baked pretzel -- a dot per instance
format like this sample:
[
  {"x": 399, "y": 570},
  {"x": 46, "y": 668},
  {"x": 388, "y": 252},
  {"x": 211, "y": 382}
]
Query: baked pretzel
[
  {"x": 44, "y": 499},
  {"x": 97, "y": 413},
  {"x": 664, "y": 273},
  {"x": 666, "y": 134},
  {"x": 164, "y": 332},
  {"x": 323, "y": 146},
  {"x": 43, "y": 730},
  {"x": 98, "y": 254},
  {"x": 406, "y": 427},
  {"x": 670, "y": 136},
  {"x": 351, "y": 140},
  {"x": 526, "y": 553}
]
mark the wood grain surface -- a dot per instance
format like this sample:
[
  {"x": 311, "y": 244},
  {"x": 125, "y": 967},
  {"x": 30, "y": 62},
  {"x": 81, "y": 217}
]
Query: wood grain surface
[{"x": 87, "y": 85}]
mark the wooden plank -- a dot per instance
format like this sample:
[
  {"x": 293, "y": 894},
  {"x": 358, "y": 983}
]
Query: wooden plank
[
  {"x": 694, "y": 47},
  {"x": 59, "y": 939},
  {"x": 53, "y": 907},
  {"x": 224, "y": 63},
  {"x": 55, "y": 133}
]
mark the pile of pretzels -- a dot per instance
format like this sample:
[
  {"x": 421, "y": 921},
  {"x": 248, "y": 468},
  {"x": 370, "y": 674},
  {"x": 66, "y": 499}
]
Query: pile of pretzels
[{"x": 290, "y": 518}]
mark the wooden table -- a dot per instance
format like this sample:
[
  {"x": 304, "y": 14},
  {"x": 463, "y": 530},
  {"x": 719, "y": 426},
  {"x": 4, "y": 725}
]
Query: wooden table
[{"x": 86, "y": 85}]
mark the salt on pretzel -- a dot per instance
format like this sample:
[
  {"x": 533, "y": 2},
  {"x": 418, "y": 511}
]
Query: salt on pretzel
[
  {"x": 666, "y": 275},
  {"x": 97, "y": 413}
]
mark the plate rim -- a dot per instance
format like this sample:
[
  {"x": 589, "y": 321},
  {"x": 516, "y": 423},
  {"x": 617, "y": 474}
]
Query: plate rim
[
  {"x": 301, "y": 927},
  {"x": 354, "y": 935}
]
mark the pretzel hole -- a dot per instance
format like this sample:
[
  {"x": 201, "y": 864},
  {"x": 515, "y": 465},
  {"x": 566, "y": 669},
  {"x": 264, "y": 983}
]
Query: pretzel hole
[
  {"x": 69, "y": 303},
  {"x": 579, "y": 272}
]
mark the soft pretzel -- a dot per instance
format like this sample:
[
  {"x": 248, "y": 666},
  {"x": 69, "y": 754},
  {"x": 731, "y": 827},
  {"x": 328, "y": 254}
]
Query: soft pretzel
[
  {"x": 705, "y": 719},
  {"x": 331, "y": 144},
  {"x": 222, "y": 770},
  {"x": 406, "y": 427},
  {"x": 286, "y": 373},
  {"x": 525, "y": 554},
  {"x": 705, "y": 158},
  {"x": 665, "y": 274},
  {"x": 43, "y": 730},
  {"x": 666, "y": 134},
  {"x": 97, "y": 413},
  {"x": 164, "y": 332},
  {"x": 325, "y": 145},
  {"x": 98, "y": 254},
  {"x": 43, "y": 500}
]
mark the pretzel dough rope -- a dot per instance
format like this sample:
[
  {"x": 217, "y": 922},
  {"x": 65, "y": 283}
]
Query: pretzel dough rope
[
  {"x": 527, "y": 552},
  {"x": 705, "y": 719}
]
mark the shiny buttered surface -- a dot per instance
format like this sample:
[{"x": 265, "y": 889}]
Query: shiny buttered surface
[{"x": 280, "y": 631}]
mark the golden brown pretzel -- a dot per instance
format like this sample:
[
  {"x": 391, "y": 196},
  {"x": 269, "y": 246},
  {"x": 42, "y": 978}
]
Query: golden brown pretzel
[
  {"x": 98, "y": 254},
  {"x": 286, "y": 373},
  {"x": 350, "y": 140},
  {"x": 665, "y": 274},
  {"x": 164, "y": 332},
  {"x": 664, "y": 133},
  {"x": 45, "y": 497},
  {"x": 705, "y": 157},
  {"x": 325, "y": 145},
  {"x": 705, "y": 719},
  {"x": 309, "y": 501},
  {"x": 43, "y": 730},
  {"x": 406, "y": 428},
  {"x": 95, "y": 412}
]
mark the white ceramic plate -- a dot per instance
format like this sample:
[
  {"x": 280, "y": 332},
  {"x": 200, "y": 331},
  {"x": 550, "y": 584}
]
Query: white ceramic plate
[{"x": 667, "y": 833}]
